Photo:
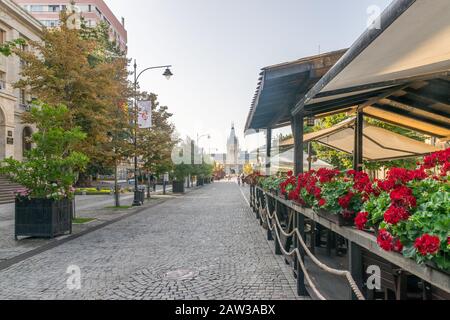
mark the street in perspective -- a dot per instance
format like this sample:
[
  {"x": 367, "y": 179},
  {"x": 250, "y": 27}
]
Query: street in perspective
[{"x": 225, "y": 158}]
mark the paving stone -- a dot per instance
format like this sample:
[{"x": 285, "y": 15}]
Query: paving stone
[{"x": 210, "y": 232}]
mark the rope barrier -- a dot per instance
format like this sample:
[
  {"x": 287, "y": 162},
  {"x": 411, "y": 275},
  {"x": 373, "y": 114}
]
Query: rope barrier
[{"x": 343, "y": 273}]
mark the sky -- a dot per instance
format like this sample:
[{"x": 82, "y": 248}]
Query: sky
[{"x": 218, "y": 47}]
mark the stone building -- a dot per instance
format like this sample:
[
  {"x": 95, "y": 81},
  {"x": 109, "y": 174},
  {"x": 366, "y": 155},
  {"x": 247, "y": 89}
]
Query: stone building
[{"x": 14, "y": 23}]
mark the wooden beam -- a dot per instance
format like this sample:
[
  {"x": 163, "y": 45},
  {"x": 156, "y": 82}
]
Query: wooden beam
[
  {"x": 268, "y": 150},
  {"x": 359, "y": 138},
  {"x": 298, "y": 132}
]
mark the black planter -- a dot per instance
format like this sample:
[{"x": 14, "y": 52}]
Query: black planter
[
  {"x": 336, "y": 218},
  {"x": 178, "y": 186},
  {"x": 43, "y": 218}
]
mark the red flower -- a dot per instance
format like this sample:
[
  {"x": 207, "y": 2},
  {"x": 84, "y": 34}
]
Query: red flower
[
  {"x": 445, "y": 169},
  {"x": 386, "y": 185},
  {"x": 344, "y": 201},
  {"x": 322, "y": 202},
  {"x": 438, "y": 158},
  {"x": 293, "y": 195},
  {"x": 290, "y": 173},
  {"x": 428, "y": 245},
  {"x": 361, "y": 220},
  {"x": 396, "y": 214},
  {"x": 403, "y": 196},
  {"x": 327, "y": 175},
  {"x": 362, "y": 181},
  {"x": 385, "y": 240}
]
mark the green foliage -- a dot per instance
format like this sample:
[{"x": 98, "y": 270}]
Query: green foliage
[
  {"x": 181, "y": 171},
  {"x": 52, "y": 167},
  {"x": 272, "y": 183},
  {"x": 6, "y": 48},
  {"x": 377, "y": 206},
  {"x": 432, "y": 216}
]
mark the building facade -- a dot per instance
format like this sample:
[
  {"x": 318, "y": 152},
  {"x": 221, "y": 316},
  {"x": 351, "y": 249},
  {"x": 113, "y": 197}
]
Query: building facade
[
  {"x": 234, "y": 160},
  {"x": 14, "y": 135},
  {"x": 93, "y": 11}
]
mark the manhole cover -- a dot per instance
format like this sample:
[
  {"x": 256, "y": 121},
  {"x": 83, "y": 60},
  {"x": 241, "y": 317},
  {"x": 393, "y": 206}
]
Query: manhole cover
[{"x": 180, "y": 275}]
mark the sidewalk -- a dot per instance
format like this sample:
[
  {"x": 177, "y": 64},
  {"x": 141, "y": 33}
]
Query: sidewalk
[{"x": 99, "y": 208}]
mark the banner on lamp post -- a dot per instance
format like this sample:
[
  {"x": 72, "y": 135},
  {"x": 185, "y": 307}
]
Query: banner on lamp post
[{"x": 145, "y": 114}]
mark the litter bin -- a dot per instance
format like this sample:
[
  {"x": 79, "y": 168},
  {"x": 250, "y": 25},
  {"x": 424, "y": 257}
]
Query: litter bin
[{"x": 141, "y": 194}]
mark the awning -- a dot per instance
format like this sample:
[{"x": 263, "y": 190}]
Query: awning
[
  {"x": 399, "y": 73},
  {"x": 281, "y": 86},
  {"x": 379, "y": 144},
  {"x": 285, "y": 162}
]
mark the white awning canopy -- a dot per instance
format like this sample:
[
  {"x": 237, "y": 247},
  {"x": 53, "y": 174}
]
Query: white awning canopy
[
  {"x": 379, "y": 144},
  {"x": 285, "y": 162}
]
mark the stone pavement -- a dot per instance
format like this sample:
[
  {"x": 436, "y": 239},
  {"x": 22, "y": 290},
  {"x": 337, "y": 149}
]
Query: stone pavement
[
  {"x": 203, "y": 245},
  {"x": 97, "y": 207}
]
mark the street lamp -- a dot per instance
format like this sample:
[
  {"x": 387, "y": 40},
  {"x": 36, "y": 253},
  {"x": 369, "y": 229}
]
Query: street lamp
[
  {"x": 168, "y": 74},
  {"x": 198, "y": 139}
]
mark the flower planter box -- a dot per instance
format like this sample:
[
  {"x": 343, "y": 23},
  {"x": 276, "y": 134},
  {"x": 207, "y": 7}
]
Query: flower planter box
[
  {"x": 43, "y": 218},
  {"x": 336, "y": 218},
  {"x": 178, "y": 187}
]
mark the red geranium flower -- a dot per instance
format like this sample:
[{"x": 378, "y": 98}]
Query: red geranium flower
[
  {"x": 290, "y": 173},
  {"x": 428, "y": 244},
  {"x": 403, "y": 196},
  {"x": 361, "y": 220},
  {"x": 396, "y": 214},
  {"x": 385, "y": 240},
  {"x": 322, "y": 202},
  {"x": 344, "y": 202}
]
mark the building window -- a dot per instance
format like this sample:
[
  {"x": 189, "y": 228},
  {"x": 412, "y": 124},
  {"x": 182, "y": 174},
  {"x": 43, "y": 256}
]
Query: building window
[
  {"x": 53, "y": 8},
  {"x": 26, "y": 140},
  {"x": 2, "y": 80},
  {"x": 36, "y": 8},
  {"x": 22, "y": 97},
  {"x": 2, "y": 36}
]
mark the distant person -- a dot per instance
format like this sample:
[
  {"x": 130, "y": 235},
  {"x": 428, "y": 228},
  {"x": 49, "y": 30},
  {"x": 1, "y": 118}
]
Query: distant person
[
  {"x": 243, "y": 180},
  {"x": 153, "y": 182}
]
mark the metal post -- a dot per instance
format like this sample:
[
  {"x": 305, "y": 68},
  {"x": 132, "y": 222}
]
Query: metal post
[
  {"x": 358, "y": 148},
  {"x": 310, "y": 152},
  {"x": 116, "y": 187},
  {"x": 136, "y": 201},
  {"x": 356, "y": 266},
  {"x": 297, "y": 124},
  {"x": 268, "y": 150},
  {"x": 301, "y": 288}
]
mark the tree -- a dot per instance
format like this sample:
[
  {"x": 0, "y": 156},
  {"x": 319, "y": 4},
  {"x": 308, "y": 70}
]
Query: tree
[
  {"x": 51, "y": 168},
  {"x": 82, "y": 73}
]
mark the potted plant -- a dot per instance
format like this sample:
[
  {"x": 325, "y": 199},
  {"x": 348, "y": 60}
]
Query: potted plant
[
  {"x": 411, "y": 210},
  {"x": 181, "y": 171},
  {"x": 44, "y": 207}
]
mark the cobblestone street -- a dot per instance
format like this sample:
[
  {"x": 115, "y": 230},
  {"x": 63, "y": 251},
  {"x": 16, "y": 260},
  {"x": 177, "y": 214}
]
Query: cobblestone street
[{"x": 204, "y": 245}]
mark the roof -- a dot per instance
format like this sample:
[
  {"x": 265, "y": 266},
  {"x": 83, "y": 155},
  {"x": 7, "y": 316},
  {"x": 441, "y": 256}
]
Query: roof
[
  {"x": 399, "y": 73},
  {"x": 379, "y": 144},
  {"x": 281, "y": 86}
]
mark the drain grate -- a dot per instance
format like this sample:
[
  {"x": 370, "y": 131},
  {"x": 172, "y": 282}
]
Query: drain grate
[{"x": 181, "y": 274}]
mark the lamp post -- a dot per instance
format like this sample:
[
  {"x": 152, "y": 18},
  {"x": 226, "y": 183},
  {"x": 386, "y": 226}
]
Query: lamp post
[
  {"x": 167, "y": 73},
  {"x": 198, "y": 139}
]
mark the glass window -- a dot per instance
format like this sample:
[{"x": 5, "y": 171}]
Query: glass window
[{"x": 36, "y": 8}]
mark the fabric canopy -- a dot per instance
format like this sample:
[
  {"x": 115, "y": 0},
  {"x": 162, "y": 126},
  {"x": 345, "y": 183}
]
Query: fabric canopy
[
  {"x": 285, "y": 162},
  {"x": 379, "y": 144}
]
